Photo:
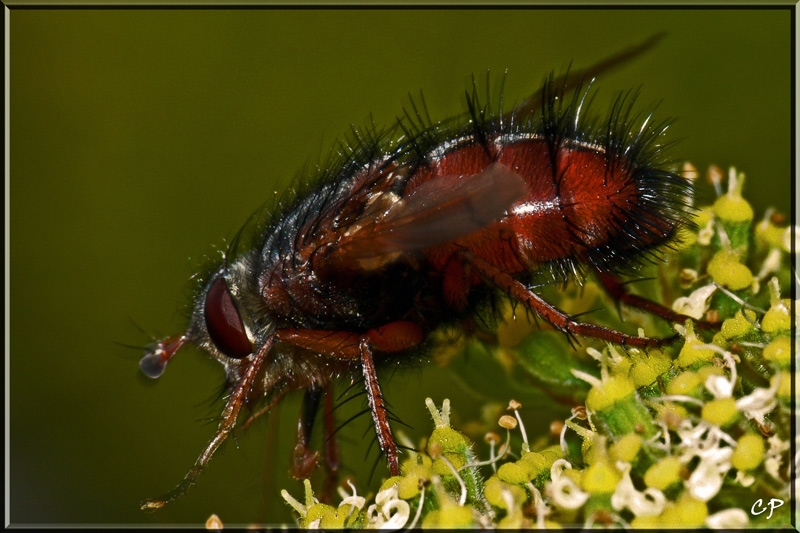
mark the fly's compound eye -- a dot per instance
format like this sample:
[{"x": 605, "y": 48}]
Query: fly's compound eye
[{"x": 223, "y": 322}]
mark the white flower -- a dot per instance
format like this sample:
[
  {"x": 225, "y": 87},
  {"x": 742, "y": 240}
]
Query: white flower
[
  {"x": 706, "y": 480},
  {"x": 787, "y": 238},
  {"x": 760, "y": 402},
  {"x": 745, "y": 480},
  {"x": 301, "y": 509},
  {"x": 728, "y": 519},
  {"x": 538, "y": 503},
  {"x": 771, "y": 264},
  {"x": 772, "y": 459},
  {"x": 388, "y": 511},
  {"x": 562, "y": 490},
  {"x": 721, "y": 386},
  {"x": 704, "y": 235},
  {"x": 755, "y": 405},
  {"x": 702, "y": 440},
  {"x": 696, "y": 304},
  {"x": 648, "y": 503},
  {"x": 355, "y": 500},
  {"x": 296, "y": 505}
]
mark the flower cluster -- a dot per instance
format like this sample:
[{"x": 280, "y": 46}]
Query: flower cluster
[{"x": 691, "y": 435}]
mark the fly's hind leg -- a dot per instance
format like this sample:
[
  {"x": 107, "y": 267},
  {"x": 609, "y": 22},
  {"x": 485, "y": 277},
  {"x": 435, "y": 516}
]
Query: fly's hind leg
[
  {"x": 552, "y": 314},
  {"x": 330, "y": 450},
  {"x": 617, "y": 290},
  {"x": 304, "y": 461}
]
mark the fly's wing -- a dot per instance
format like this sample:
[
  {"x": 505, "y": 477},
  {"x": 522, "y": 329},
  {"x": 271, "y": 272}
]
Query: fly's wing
[
  {"x": 569, "y": 81},
  {"x": 441, "y": 210}
]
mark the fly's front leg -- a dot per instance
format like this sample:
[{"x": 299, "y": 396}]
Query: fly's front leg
[
  {"x": 553, "y": 315},
  {"x": 226, "y": 425},
  {"x": 393, "y": 337},
  {"x": 377, "y": 407}
]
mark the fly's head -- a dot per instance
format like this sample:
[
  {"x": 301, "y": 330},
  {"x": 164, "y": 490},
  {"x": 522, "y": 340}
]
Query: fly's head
[{"x": 227, "y": 322}]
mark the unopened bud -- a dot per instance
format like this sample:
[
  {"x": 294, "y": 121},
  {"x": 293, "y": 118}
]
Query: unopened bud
[
  {"x": 491, "y": 437},
  {"x": 507, "y": 422},
  {"x": 214, "y": 523}
]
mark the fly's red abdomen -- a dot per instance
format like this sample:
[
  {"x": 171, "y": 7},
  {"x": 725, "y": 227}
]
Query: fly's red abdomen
[{"x": 580, "y": 202}]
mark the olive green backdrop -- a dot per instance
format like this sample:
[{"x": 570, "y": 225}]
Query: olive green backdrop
[{"x": 142, "y": 139}]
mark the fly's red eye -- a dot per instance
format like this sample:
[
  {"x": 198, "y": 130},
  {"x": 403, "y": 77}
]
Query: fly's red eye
[{"x": 224, "y": 323}]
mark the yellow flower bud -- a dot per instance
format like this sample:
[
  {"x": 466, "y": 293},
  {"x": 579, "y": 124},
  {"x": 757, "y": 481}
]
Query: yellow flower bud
[
  {"x": 626, "y": 448},
  {"x": 690, "y": 355},
  {"x": 733, "y": 209},
  {"x": 440, "y": 468},
  {"x": 779, "y": 351},
  {"x": 645, "y": 522},
  {"x": 318, "y": 510},
  {"x": 768, "y": 234},
  {"x": 409, "y": 465},
  {"x": 408, "y": 486},
  {"x": 514, "y": 473},
  {"x": 685, "y": 383},
  {"x": 600, "y": 478},
  {"x": 721, "y": 412},
  {"x": 709, "y": 370},
  {"x": 663, "y": 474},
  {"x": 647, "y": 367},
  {"x": 749, "y": 452},
  {"x": 738, "y": 325},
  {"x": 536, "y": 463},
  {"x": 391, "y": 482},
  {"x": 785, "y": 387},
  {"x": 344, "y": 516},
  {"x": 449, "y": 516},
  {"x": 686, "y": 512},
  {"x": 449, "y": 439},
  {"x": 777, "y": 318},
  {"x": 494, "y": 489},
  {"x": 612, "y": 390},
  {"x": 726, "y": 270}
]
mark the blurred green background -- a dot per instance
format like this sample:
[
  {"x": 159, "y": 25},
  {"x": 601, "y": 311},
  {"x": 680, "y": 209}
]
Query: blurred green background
[{"x": 142, "y": 139}]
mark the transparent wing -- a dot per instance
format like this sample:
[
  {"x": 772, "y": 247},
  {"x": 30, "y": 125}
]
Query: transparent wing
[{"x": 442, "y": 209}]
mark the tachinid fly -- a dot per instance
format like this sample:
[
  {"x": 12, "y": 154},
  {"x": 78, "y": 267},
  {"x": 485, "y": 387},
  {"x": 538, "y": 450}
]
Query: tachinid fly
[{"x": 417, "y": 227}]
